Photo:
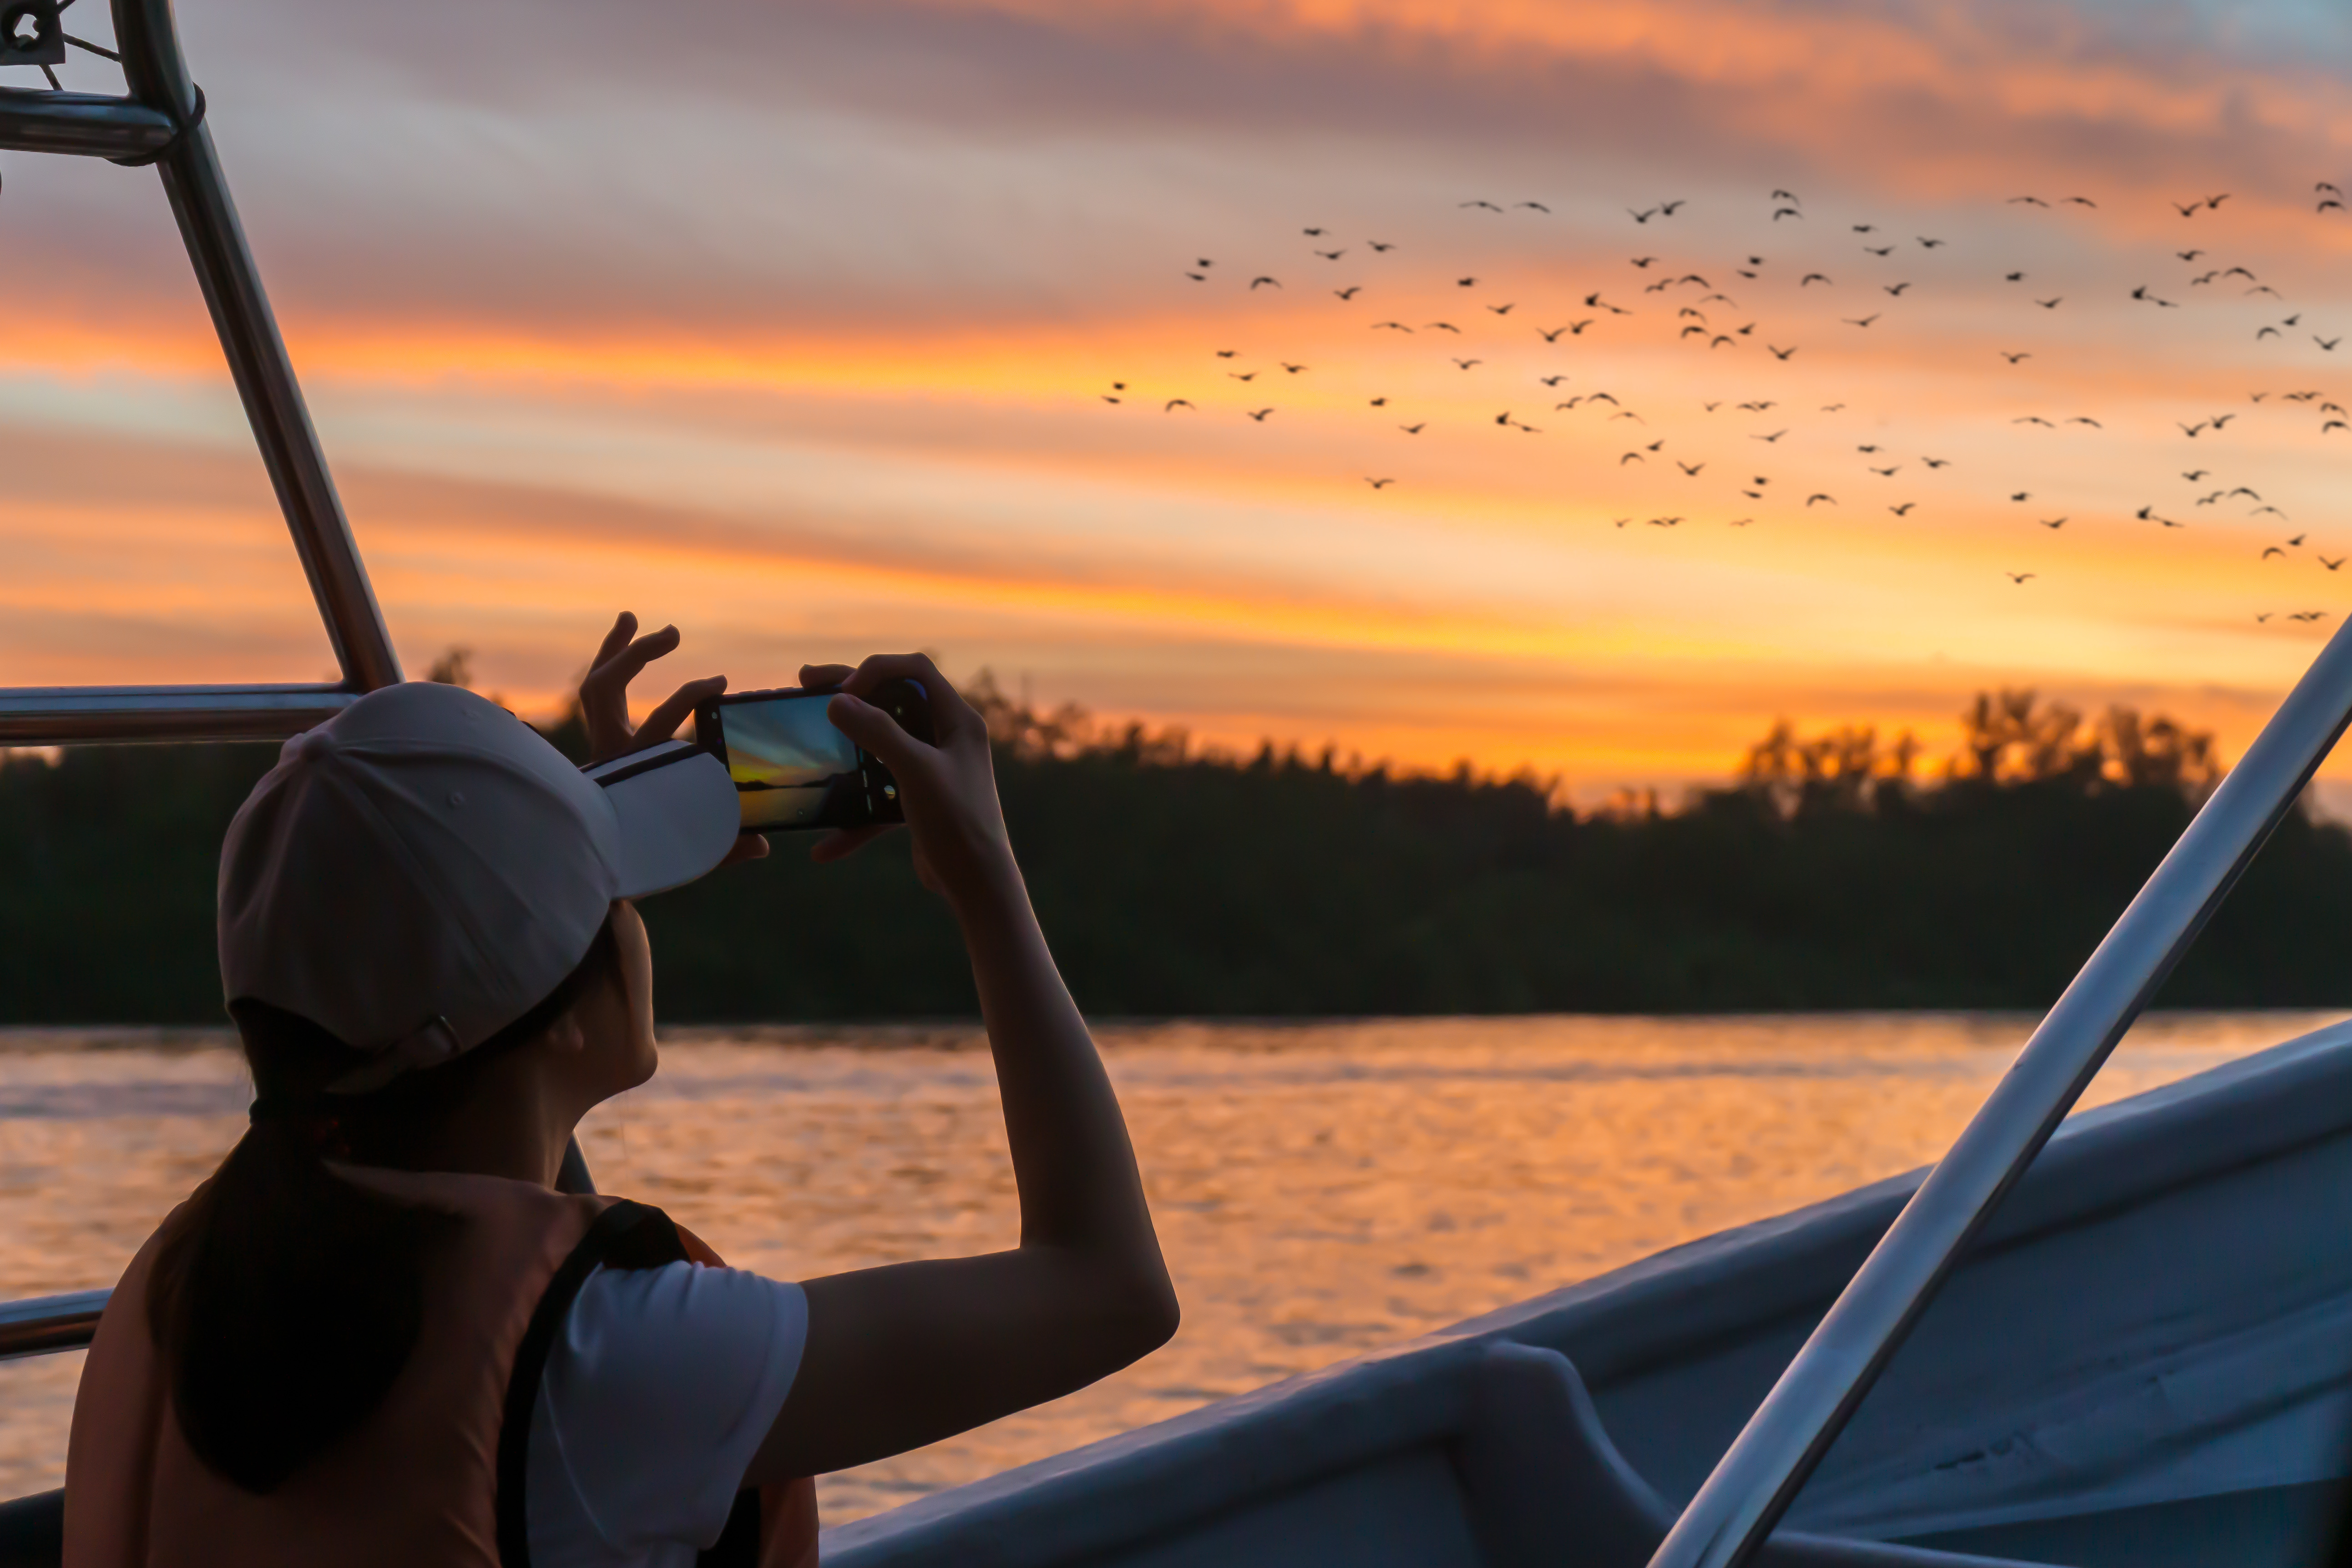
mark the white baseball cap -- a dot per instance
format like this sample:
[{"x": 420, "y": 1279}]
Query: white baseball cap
[{"x": 423, "y": 868}]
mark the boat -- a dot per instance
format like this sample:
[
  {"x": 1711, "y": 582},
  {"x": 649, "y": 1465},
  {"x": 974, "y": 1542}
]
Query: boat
[{"x": 2127, "y": 1340}]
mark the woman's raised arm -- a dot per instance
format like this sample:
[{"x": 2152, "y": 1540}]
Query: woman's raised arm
[{"x": 906, "y": 1354}]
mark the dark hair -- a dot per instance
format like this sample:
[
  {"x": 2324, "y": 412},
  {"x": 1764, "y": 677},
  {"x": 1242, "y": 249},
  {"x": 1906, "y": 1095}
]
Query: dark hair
[{"x": 288, "y": 1300}]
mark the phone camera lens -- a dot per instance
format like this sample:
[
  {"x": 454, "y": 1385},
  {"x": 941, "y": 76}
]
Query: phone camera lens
[{"x": 889, "y": 792}]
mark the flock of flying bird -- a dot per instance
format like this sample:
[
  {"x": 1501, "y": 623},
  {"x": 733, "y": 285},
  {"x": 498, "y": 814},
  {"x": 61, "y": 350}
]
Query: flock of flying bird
[{"x": 1697, "y": 306}]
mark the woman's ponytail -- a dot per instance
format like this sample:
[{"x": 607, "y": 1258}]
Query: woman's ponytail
[{"x": 286, "y": 1299}]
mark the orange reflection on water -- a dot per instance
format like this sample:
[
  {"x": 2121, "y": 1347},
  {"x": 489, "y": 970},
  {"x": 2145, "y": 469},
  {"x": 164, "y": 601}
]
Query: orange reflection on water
[{"x": 1322, "y": 1189}]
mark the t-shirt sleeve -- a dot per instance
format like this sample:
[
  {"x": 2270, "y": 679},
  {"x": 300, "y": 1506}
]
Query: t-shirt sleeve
[{"x": 654, "y": 1400}]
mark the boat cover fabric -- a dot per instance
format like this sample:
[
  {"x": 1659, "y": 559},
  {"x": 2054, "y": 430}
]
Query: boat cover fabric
[{"x": 419, "y": 1481}]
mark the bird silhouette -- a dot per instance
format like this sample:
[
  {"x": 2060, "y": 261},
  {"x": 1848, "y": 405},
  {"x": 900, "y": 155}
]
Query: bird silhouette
[
  {"x": 1260, "y": 282},
  {"x": 1293, "y": 369},
  {"x": 2051, "y": 304},
  {"x": 1820, "y": 497},
  {"x": 2334, "y": 565},
  {"x": 1380, "y": 246},
  {"x": 2308, "y": 615},
  {"x": 1938, "y": 462},
  {"x": 1781, "y": 353},
  {"x": 1466, "y": 364},
  {"x": 2013, "y": 358},
  {"x": 1414, "y": 429},
  {"x": 1895, "y": 288},
  {"x": 1541, "y": 208},
  {"x": 1350, "y": 292},
  {"x": 2019, "y": 577},
  {"x": 1864, "y": 322},
  {"x": 1378, "y": 484},
  {"x": 1332, "y": 254},
  {"x": 1488, "y": 205},
  {"x": 1465, "y": 282},
  {"x": 1176, "y": 403},
  {"x": 1904, "y": 509},
  {"x": 1259, "y": 414},
  {"x": 1690, "y": 469},
  {"x": 1774, "y": 437},
  {"x": 1813, "y": 277},
  {"x": 2273, "y": 550},
  {"x": 2052, "y": 521}
]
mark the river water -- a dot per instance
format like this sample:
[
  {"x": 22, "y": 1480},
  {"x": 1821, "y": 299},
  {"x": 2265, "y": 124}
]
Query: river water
[{"x": 1322, "y": 1189}]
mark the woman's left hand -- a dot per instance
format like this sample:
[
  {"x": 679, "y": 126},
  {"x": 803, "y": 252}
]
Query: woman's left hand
[{"x": 604, "y": 705}]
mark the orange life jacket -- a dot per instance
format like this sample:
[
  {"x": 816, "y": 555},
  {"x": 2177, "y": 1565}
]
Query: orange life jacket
[{"x": 433, "y": 1477}]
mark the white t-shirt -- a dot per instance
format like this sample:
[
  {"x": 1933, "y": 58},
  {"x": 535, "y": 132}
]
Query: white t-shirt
[{"x": 654, "y": 1399}]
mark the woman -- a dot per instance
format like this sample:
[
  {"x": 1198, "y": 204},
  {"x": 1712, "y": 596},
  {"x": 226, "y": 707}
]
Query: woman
[{"x": 379, "y": 1334}]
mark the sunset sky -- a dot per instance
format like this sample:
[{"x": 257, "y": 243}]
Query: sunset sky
[{"x": 795, "y": 322}]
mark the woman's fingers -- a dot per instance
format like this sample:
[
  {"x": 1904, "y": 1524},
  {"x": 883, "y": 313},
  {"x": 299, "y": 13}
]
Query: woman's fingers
[
  {"x": 624, "y": 627},
  {"x": 817, "y": 676},
  {"x": 747, "y": 846},
  {"x": 844, "y": 842},
  {"x": 875, "y": 732},
  {"x": 604, "y": 691},
  {"x": 663, "y": 721},
  {"x": 950, "y": 714}
]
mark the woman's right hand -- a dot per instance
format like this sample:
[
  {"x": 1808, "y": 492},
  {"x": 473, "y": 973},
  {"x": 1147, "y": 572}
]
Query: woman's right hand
[{"x": 948, "y": 788}]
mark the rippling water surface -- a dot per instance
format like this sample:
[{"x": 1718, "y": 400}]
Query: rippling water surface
[{"x": 1322, "y": 1189}]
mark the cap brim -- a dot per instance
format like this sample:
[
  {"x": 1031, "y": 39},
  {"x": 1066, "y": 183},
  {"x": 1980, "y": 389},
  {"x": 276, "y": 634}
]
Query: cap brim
[{"x": 678, "y": 812}]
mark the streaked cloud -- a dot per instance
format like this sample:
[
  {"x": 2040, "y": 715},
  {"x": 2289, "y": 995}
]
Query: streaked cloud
[{"x": 793, "y": 323}]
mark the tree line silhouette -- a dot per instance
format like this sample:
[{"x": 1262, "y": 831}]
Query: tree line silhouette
[{"x": 1836, "y": 870}]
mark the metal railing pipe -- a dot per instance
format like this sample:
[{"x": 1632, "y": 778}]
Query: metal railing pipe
[
  {"x": 72, "y": 715},
  {"x": 42, "y": 1325},
  {"x": 1757, "y": 1479},
  {"x": 80, "y": 122},
  {"x": 265, "y": 379}
]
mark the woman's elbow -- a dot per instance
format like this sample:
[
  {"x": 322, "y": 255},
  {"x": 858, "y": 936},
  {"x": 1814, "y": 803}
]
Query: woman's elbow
[{"x": 1145, "y": 1312}]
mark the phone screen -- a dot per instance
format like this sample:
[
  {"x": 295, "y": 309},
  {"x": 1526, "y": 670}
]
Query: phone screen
[{"x": 792, "y": 768}]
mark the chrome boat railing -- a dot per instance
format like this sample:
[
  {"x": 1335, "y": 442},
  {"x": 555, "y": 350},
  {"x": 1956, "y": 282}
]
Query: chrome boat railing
[
  {"x": 42, "y": 1324},
  {"x": 1758, "y": 1477},
  {"x": 161, "y": 119}
]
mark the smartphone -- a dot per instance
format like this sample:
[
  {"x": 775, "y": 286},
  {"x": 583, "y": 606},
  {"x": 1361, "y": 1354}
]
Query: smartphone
[{"x": 794, "y": 770}]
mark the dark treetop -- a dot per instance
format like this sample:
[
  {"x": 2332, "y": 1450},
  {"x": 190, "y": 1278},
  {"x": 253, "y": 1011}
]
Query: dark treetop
[{"x": 1836, "y": 873}]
